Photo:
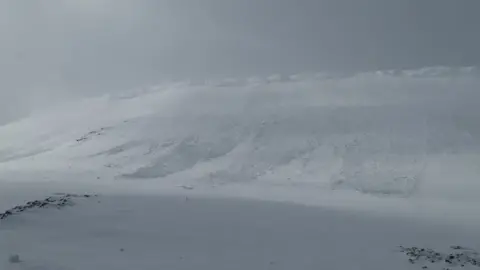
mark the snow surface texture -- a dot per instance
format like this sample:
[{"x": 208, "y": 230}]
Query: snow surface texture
[{"x": 392, "y": 144}]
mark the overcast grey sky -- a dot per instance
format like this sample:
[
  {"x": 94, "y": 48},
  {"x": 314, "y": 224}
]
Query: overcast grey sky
[{"x": 58, "y": 47}]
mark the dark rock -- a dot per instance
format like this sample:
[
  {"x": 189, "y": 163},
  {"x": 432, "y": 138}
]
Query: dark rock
[{"x": 52, "y": 201}]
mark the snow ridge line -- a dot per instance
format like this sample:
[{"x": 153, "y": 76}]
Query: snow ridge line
[{"x": 59, "y": 201}]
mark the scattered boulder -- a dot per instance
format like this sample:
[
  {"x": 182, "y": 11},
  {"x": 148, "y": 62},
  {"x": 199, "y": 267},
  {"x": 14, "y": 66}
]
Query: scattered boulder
[{"x": 15, "y": 258}]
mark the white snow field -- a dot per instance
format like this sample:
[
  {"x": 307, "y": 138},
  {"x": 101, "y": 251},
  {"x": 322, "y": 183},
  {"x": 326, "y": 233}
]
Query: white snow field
[{"x": 302, "y": 172}]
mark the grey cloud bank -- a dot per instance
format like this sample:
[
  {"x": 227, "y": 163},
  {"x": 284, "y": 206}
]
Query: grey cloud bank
[{"x": 54, "y": 49}]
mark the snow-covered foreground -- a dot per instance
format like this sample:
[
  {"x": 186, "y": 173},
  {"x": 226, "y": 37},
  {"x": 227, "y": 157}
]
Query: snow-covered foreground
[
  {"x": 173, "y": 232},
  {"x": 388, "y": 158}
]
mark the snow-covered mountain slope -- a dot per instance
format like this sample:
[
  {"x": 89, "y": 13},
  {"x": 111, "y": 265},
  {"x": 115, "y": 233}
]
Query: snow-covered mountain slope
[
  {"x": 398, "y": 152},
  {"x": 403, "y": 134}
]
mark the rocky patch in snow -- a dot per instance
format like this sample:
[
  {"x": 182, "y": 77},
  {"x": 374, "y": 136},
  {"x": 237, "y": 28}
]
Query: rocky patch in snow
[
  {"x": 93, "y": 133},
  {"x": 458, "y": 257},
  {"x": 59, "y": 200}
]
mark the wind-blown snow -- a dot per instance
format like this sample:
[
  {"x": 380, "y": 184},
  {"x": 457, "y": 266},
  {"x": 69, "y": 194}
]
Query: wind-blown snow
[
  {"x": 404, "y": 134},
  {"x": 387, "y": 143}
]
